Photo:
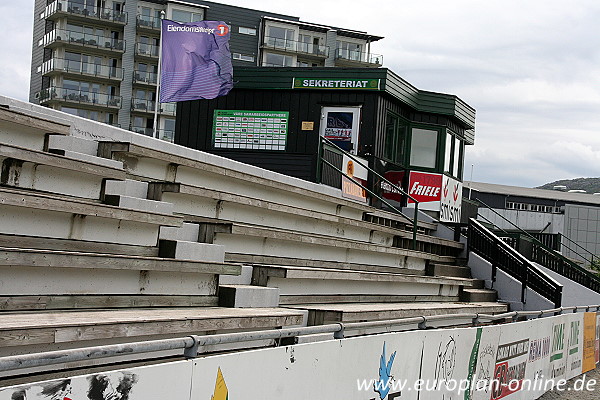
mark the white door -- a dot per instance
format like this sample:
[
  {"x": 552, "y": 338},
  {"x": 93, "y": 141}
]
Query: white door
[{"x": 341, "y": 125}]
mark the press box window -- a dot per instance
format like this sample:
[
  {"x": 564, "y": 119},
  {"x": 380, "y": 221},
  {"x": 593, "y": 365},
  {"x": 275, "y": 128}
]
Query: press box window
[
  {"x": 423, "y": 148},
  {"x": 247, "y": 31},
  {"x": 395, "y": 138}
]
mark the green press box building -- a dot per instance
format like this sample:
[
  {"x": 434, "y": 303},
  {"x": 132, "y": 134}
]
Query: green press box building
[{"x": 274, "y": 116}]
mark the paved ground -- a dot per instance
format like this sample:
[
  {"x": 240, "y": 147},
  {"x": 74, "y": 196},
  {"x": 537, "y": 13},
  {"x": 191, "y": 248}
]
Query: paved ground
[{"x": 571, "y": 394}]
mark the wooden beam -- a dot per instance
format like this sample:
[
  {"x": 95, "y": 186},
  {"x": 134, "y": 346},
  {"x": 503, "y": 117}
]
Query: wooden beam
[
  {"x": 58, "y": 161},
  {"x": 68, "y": 302},
  {"x": 69, "y": 259},
  {"x": 42, "y": 243},
  {"x": 22, "y": 198},
  {"x": 43, "y": 125}
]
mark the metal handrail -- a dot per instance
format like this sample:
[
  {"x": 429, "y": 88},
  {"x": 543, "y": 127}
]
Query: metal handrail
[
  {"x": 573, "y": 266},
  {"x": 501, "y": 255},
  {"x": 415, "y": 219},
  {"x": 191, "y": 345},
  {"x": 591, "y": 261}
]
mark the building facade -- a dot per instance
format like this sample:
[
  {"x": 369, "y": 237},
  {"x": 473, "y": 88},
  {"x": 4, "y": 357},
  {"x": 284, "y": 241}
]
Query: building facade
[
  {"x": 98, "y": 59},
  {"x": 571, "y": 221}
]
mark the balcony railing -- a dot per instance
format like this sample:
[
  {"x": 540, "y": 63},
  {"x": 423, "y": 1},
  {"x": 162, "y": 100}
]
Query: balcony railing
[
  {"x": 90, "y": 11},
  {"x": 148, "y": 22},
  {"x": 78, "y": 67},
  {"x": 83, "y": 39},
  {"x": 141, "y": 105},
  {"x": 145, "y": 77},
  {"x": 359, "y": 57},
  {"x": 296, "y": 47},
  {"x": 147, "y": 50},
  {"x": 78, "y": 96},
  {"x": 164, "y": 134}
]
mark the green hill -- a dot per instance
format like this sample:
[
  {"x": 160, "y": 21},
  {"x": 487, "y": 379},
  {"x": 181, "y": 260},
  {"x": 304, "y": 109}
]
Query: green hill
[{"x": 590, "y": 185}]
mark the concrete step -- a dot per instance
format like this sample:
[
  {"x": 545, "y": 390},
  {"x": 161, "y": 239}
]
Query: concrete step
[
  {"x": 58, "y": 144},
  {"x": 135, "y": 203},
  {"x": 126, "y": 187},
  {"x": 478, "y": 295},
  {"x": 436, "y": 269},
  {"x": 330, "y": 313},
  {"x": 194, "y": 251},
  {"x": 246, "y": 296},
  {"x": 188, "y": 232}
]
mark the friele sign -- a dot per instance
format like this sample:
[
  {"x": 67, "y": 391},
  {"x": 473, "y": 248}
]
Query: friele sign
[{"x": 436, "y": 192}]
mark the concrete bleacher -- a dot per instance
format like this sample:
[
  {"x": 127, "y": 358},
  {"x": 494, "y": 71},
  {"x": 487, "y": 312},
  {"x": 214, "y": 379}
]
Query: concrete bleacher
[{"x": 109, "y": 236}]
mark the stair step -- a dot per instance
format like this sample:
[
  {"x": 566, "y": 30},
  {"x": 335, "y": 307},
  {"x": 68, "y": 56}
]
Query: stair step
[
  {"x": 478, "y": 295},
  {"x": 244, "y": 296},
  {"x": 435, "y": 269}
]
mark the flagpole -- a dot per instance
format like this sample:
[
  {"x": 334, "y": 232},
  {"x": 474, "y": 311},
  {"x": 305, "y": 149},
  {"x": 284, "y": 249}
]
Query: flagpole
[{"x": 157, "y": 101}]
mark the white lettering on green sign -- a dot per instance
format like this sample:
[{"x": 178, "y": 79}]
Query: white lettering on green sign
[{"x": 301, "y": 83}]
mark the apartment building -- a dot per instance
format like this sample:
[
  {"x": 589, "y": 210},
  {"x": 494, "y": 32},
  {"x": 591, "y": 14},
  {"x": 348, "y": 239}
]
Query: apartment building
[{"x": 98, "y": 59}]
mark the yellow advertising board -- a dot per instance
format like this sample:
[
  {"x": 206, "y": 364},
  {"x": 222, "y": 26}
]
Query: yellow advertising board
[{"x": 589, "y": 342}]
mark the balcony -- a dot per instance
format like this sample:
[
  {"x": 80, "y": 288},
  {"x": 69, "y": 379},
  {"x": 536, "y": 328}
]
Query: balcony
[
  {"x": 63, "y": 95},
  {"x": 62, "y": 66},
  {"x": 148, "y": 106},
  {"x": 146, "y": 22},
  {"x": 163, "y": 134},
  {"x": 291, "y": 46},
  {"x": 144, "y": 77},
  {"x": 75, "y": 11},
  {"x": 350, "y": 58},
  {"x": 147, "y": 50},
  {"x": 62, "y": 37}
]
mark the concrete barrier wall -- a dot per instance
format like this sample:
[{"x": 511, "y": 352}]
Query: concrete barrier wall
[{"x": 513, "y": 361}]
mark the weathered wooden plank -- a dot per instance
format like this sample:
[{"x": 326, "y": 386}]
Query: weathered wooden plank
[
  {"x": 303, "y": 262},
  {"x": 280, "y": 234},
  {"x": 42, "y": 243},
  {"x": 358, "y": 298},
  {"x": 70, "y": 259},
  {"x": 58, "y": 203},
  {"x": 43, "y": 125},
  {"x": 346, "y": 275},
  {"x": 58, "y": 161},
  {"x": 66, "y": 302}
]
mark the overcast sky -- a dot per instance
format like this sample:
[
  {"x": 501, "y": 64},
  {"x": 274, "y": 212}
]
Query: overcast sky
[{"x": 531, "y": 69}]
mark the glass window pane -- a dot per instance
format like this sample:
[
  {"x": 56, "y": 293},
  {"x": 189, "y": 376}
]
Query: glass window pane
[
  {"x": 457, "y": 167},
  {"x": 181, "y": 16},
  {"x": 400, "y": 143},
  {"x": 423, "y": 148},
  {"x": 448, "y": 153},
  {"x": 390, "y": 133}
]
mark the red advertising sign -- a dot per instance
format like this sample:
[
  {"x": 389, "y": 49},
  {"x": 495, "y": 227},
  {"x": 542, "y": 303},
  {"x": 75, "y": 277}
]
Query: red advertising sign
[
  {"x": 388, "y": 191},
  {"x": 425, "y": 187}
]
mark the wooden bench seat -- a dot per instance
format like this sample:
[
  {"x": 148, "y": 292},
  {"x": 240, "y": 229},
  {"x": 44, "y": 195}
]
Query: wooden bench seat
[
  {"x": 55, "y": 328},
  {"x": 58, "y": 161},
  {"x": 65, "y": 204},
  {"x": 300, "y": 285},
  {"x": 330, "y": 313}
]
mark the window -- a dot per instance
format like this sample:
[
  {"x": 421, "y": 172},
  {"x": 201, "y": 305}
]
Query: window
[
  {"x": 423, "y": 148},
  {"x": 186, "y": 16},
  {"x": 280, "y": 37},
  {"x": 448, "y": 153},
  {"x": 348, "y": 50},
  {"x": 278, "y": 60},
  {"x": 242, "y": 57},
  {"x": 247, "y": 31},
  {"x": 395, "y": 139}
]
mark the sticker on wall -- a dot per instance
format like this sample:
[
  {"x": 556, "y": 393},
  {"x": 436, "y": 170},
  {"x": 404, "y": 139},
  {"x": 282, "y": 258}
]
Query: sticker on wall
[{"x": 220, "y": 392}]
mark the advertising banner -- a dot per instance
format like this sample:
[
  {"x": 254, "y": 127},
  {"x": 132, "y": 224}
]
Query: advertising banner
[
  {"x": 356, "y": 171},
  {"x": 589, "y": 342},
  {"x": 426, "y": 188},
  {"x": 516, "y": 361},
  {"x": 451, "y": 200},
  {"x": 597, "y": 338},
  {"x": 195, "y": 61}
]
